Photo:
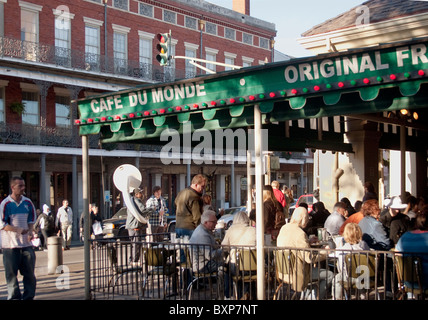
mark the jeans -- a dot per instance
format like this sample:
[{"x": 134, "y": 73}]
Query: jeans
[
  {"x": 183, "y": 232},
  {"x": 325, "y": 278},
  {"x": 136, "y": 236},
  {"x": 24, "y": 260},
  {"x": 66, "y": 230}
]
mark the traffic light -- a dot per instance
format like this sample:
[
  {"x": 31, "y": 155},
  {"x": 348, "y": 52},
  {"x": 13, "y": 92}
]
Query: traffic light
[{"x": 162, "y": 47}]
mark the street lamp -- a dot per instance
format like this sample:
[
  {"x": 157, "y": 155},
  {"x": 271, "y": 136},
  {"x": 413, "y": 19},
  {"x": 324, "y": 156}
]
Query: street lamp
[
  {"x": 201, "y": 23},
  {"x": 272, "y": 46}
]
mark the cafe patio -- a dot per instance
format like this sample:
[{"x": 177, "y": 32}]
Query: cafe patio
[{"x": 363, "y": 83}]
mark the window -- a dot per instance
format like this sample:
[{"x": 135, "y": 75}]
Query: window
[
  {"x": 229, "y": 58},
  {"x": 190, "y": 52},
  {"x": 211, "y": 28},
  {"x": 247, "y": 38},
  {"x": 29, "y": 29},
  {"x": 119, "y": 52},
  {"x": 191, "y": 23},
  {"x": 92, "y": 44},
  {"x": 29, "y": 26},
  {"x": 121, "y": 4},
  {"x": 145, "y": 54},
  {"x": 2, "y": 117},
  {"x": 264, "y": 43},
  {"x": 120, "y": 48},
  {"x": 1, "y": 19},
  {"x": 146, "y": 10},
  {"x": 170, "y": 70},
  {"x": 62, "y": 111},
  {"x": 247, "y": 62},
  {"x": 230, "y": 34},
  {"x": 62, "y": 37},
  {"x": 211, "y": 55},
  {"x": 169, "y": 16},
  {"x": 32, "y": 114}
]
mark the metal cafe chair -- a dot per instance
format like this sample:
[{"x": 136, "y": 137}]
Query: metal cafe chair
[
  {"x": 246, "y": 269},
  {"x": 409, "y": 276},
  {"x": 362, "y": 267},
  {"x": 118, "y": 271},
  {"x": 202, "y": 279},
  {"x": 156, "y": 265},
  {"x": 290, "y": 271}
]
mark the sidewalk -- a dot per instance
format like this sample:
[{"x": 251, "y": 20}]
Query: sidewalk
[{"x": 69, "y": 285}]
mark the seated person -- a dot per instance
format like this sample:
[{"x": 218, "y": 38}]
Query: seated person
[
  {"x": 336, "y": 219},
  {"x": 240, "y": 233},
  {"x": 417, "y": 241},
  {"x": 395, "y": 222},
  {"x": 206, "y": 253},
  {"x": 374, "y": 233},
  {"x": 292, "y": 235},
  {"x": 317, "y": 218},
  {"x": 353, "y": 237}
]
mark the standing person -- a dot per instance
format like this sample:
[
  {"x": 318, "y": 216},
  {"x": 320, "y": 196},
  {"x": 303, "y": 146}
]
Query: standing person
[
  {"x": 369, "y": 192},
  {"x": 189, "y": 206},
  {"x": 157, "y": 203},
  {"x": 336, "y": 219},
  {"x": 273, "y": 212},
  {"x": 18, "y": 216},
  {"x": 288, "y": 195},
  {"x": 207, "y": 205},
  {"x": 64, "y": 221},
  {"x": 136, "y": 229},
  {"x": 278, "y": 194},
  {"x": 82, "y": 220},
  {"x": 96, "y": 223},
  {"x": 46, "y": 223}
]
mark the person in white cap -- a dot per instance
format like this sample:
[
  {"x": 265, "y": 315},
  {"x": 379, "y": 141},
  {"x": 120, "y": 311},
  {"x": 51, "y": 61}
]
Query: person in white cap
[
  {"x": 46, "y": 223},
  {"x": 395, "y": 221}
]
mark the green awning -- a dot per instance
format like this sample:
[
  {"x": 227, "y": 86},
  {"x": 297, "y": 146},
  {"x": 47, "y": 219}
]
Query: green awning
[{"x": 371, "y": 80}]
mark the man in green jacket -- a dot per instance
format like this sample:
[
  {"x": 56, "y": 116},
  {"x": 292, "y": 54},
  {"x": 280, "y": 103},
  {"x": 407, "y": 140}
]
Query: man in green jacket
[{"x": 189, "y": 205}]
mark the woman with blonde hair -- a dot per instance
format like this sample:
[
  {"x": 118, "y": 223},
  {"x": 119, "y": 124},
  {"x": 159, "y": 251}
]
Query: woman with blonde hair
[{"x": 353, "y": 237}]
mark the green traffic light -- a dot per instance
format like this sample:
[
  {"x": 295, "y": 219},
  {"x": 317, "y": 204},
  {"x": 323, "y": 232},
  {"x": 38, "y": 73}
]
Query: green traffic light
[{"x": 162, "y": 48}]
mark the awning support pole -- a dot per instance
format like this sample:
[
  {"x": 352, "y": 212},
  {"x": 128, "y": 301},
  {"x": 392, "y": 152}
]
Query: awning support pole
[
  {"x": 403, "y": 160},
  {"x": 86, "y": 228},
  {"x": 259, "y": 203}
]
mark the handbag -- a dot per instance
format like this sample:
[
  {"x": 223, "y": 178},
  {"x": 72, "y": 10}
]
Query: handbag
[{"x": 96, "y": 226}]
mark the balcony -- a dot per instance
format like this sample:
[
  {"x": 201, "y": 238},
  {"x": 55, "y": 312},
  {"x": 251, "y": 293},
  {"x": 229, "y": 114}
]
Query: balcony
[{"x": 31, "y": 52}]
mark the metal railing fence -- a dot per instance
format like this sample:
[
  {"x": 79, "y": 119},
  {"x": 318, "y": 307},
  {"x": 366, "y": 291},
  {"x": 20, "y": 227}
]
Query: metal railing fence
[{"x": 147, "y": 269}]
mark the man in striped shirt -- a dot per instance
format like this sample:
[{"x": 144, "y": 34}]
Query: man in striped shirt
[{"x": 17, "y": 217}]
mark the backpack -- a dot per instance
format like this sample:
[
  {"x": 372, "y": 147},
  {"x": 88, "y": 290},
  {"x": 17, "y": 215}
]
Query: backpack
[
  {"x": 279, "y": 219},
  {"x": 49, "y": 223}
]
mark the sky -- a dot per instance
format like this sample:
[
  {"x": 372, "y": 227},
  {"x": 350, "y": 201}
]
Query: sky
[{"x": 292, "y": 18}]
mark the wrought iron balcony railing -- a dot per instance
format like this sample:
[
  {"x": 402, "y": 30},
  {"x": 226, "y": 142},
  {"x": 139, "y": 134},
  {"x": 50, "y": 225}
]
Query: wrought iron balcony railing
[{"x": 86, "y": 62}]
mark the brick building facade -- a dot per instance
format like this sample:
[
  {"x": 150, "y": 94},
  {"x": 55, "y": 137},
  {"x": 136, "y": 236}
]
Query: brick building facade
[{"x": 53, "y": 53}]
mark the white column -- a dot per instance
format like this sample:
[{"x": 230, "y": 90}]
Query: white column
[
  {"x": 220, "y": 189},
  {"x": 259, "y": 203}
]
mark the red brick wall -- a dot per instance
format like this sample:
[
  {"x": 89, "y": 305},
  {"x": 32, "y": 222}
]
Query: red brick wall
[
  {"x": 134, "y": 21},
  {"x": 137, "y": 22}
]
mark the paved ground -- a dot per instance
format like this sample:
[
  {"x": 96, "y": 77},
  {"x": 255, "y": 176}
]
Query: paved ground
[{"x": 69, "y": 285}]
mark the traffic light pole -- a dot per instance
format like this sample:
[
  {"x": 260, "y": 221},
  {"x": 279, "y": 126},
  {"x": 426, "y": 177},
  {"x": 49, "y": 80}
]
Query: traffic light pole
[{"x": 192, "y": 61}]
